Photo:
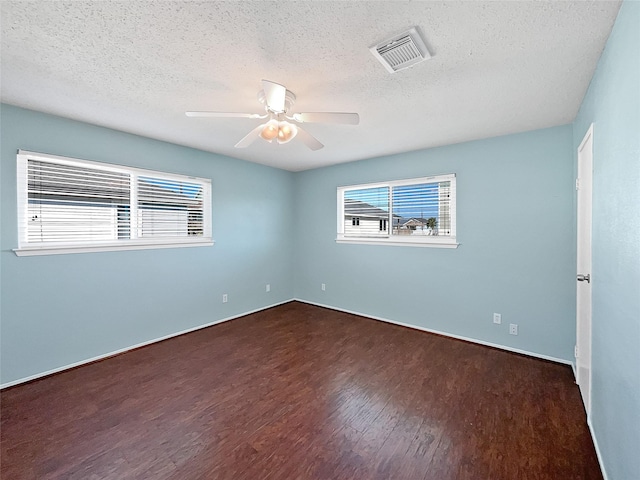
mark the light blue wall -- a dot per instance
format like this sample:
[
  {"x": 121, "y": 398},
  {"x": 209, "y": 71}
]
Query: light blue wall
[
  {"x": 61, "y": 309},
  {"x": 515, "y": 223},
  {"x": 612, "y": 103}
]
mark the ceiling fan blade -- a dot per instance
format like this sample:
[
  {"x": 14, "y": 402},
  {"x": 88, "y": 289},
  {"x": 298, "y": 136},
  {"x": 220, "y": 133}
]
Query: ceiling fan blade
[
  {"x": 223, "y": 114},
  {"x": 274, "y": 94},
  {"x": 251, "y": 137},
  {"x": 328, "y": 117},
  {"x": 309, "y": 140}
]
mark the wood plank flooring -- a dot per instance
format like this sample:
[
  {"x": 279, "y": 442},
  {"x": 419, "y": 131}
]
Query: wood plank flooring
[{"x": 301, "y": 392}]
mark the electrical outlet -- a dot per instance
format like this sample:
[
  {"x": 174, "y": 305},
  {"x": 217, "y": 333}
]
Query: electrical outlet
[
  {"x": 324, "y": 287},
  {"x": 513, "y": 329},
  {"x": 225, "y": 298},
  {"x": 497, "y": 318},
  {"x": 268, "y": 289}
]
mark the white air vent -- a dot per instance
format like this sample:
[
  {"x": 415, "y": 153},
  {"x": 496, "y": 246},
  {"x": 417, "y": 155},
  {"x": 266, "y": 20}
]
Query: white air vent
[{"x": 402, "y": 51}]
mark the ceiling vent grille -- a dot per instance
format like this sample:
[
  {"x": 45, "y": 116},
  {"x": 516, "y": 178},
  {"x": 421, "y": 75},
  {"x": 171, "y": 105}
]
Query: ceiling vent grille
[{"x": 402, "y": 51}]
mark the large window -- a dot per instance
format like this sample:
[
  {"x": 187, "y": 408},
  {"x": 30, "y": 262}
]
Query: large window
[
  {"x": 418, "y": 211},
  {"x": 67, "y": 205}
]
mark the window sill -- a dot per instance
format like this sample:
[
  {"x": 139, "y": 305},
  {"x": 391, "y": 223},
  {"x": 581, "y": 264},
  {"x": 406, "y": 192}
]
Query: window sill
[
  {"x": 450, "y": 243},
  {"x": 32, "y": 251}
]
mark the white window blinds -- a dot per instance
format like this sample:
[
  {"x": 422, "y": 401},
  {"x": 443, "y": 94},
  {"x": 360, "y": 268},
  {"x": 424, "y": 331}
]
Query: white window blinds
[
  {"x": 168, "y": 208},
  {"x": 422, "y": 209},
  {"x": 71, "y": 205},
  {"x": 413, "y": 211},
  {"x": 68, "y": 203}
]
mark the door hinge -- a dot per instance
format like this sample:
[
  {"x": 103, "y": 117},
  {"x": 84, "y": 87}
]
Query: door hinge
[
  {"x": 577, "y": 184},
  {"x": 575, "y": 351}
]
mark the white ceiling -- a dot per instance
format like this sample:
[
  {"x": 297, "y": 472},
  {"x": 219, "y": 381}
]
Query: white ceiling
[{"x": 137, "y": 66}]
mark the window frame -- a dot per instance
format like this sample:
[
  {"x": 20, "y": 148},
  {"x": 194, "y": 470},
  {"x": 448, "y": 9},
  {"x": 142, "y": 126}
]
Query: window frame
[
  {"x": 51, "y": 248},
  {"x": 438, "y": 241}
]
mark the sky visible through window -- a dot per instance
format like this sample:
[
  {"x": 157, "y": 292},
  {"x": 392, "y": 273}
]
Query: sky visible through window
[
  {"x": 376, "y": 197},
  {"x": 190, "y": 190}
]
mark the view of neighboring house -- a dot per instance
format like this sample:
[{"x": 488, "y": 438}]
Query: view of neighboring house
[
  {"x": 411, "y": 226},
  {"x": 364, "y": 220}
]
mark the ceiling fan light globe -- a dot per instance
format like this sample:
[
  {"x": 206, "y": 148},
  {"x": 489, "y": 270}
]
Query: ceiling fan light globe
[
  {"x": 270, "y": 130},
  {"x": 286, "y": 132}
]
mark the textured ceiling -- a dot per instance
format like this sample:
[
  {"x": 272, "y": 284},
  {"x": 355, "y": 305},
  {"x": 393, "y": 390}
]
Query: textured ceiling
[{"x": 137, "y": 66}]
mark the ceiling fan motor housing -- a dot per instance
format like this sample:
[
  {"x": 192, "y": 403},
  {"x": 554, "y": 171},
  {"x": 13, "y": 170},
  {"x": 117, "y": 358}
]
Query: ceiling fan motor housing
[{"x": 289, "y": 101}]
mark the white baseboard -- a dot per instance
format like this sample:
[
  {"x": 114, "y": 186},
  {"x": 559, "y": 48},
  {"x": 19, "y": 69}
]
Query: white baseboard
[
  {"x": 595, "y": 444},
  {"x": 132, "y": 347},
  {"x": 149, "y": 342},
  {"x": 446, "y": 334}
]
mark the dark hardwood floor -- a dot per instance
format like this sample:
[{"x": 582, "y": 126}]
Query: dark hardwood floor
[{"x": 301, "y": 392}]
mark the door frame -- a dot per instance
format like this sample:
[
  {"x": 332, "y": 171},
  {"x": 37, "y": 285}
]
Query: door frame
[{"x": 588, "y": 137}]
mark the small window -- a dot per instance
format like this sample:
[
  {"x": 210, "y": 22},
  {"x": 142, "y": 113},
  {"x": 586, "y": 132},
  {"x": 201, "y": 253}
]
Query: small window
[
  {"x": 67, "y": 205},
  {"x": 418, "y": 211}
]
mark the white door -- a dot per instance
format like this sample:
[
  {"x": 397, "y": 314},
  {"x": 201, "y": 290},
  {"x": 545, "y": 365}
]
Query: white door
[{"x": 584, "y": 281}]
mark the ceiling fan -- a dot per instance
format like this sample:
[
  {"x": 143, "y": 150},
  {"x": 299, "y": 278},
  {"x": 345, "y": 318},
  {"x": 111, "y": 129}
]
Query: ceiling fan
[{"x": 277, "y": 101}]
